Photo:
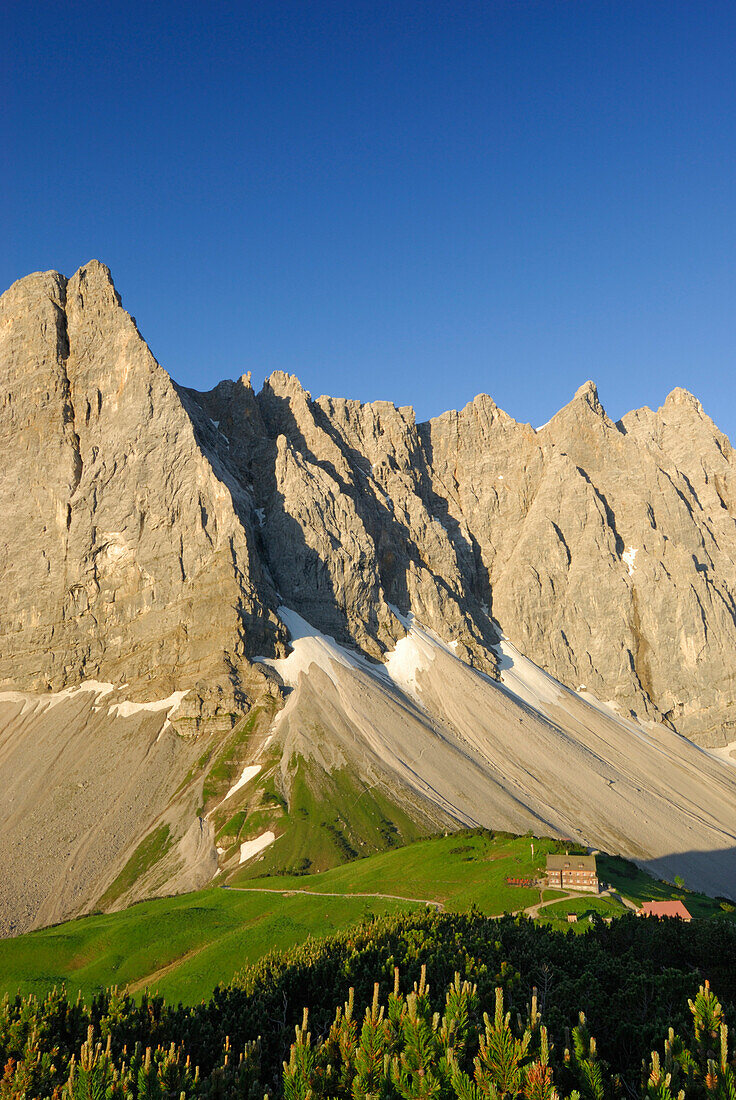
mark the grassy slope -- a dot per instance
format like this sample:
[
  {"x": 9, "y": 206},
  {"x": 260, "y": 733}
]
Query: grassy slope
[
  {"x": 184, "y": 946},
  {"x": 343, "y": 820},
  {"x": 181, "y": 947},
  {"x": 459, "y": 870},
  {"x": 151, "y": 849},
  {"x": 556, "y": 915}
]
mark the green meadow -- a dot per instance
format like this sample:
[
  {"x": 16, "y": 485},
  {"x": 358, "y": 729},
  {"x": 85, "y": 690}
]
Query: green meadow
[{"x": 182, "y": 947}]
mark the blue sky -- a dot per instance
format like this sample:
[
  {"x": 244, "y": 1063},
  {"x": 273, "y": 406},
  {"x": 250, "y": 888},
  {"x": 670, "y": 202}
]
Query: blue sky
[{"x": 407, "y": 201}]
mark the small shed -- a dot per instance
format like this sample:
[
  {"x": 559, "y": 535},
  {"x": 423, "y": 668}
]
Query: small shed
[
  {"x": 665, "y": 909},
  {"x": 572, "y": 872}
]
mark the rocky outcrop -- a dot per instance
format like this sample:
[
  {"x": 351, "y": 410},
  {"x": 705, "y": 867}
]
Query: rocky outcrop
[
  {"x": 153, "y": 531},
  {"x": 157, "y": 541},
  {"x": 126, "y": 552},
  {"x": 348, "y": 522},
  {"x": 605, "y": 551},
  {"x": 609, "y": 549}
]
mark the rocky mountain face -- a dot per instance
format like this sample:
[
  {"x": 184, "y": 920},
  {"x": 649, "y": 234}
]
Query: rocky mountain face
[
  {"x": 152, "y": 532},
  {"x": 122, "y": 545},
  {"x": 153, "y": 535},
  {"x": 606, "y": 552}
]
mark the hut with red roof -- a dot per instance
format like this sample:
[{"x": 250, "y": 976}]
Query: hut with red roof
[{"x": 665, "y": 909}]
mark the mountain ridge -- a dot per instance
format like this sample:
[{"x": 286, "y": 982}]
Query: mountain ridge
[
  {"x": 159, "y": 540},
  {"x": 283, "y": 436}
]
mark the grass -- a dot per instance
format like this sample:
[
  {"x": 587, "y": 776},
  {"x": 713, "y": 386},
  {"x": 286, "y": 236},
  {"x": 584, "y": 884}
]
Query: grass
[
  {"x": 150, "y": 850},
  {"x": 184, "y": 946},
  {"x": 227, "y": 763},
  {"x": 344, "y": 820},
  {"x": 181, "y": 947},
  {"x": 556, "y": 915},
  {"x": 459, "y": 871}
]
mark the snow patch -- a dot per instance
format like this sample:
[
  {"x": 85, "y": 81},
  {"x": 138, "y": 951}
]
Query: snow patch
[
  {"x": 96, "y": 686},
  {"x": 31, "y": 702},
  {"x": 250, "y": 848},
  {"x": 27, "y": 701},
  {"x": 310, "y": 647},
  {"x": 381, "y": 493},
  {"x": 413, "y": 654},
  {"x": 606, "y": 705},
  {"x": 410, "y": 656},
  {"x": 525, "y": 679},
  {"x": 250, "y": 771},
  {"x": 216, "y": 425},
  {"x": 529, "y": 683},
  {"x": 127, "y": 708},
  {"x": 628, "y": 557},
  {"x": 725, "y": 753},
  {"x": 388, "y": 502},
  {"x": 538, "y": 689},
  {"x": 261, "y": 514}
]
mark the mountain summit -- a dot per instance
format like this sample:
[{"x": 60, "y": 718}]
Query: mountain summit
[{"x": 343, "y": 578}]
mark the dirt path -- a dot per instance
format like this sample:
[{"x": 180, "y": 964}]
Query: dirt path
[
  {"x": 530, "y": 911},
  {"x": 319, "y": 894},
  {"x": 148, "y": 980},
  {"x": 533, "y": 910},
  {"x": 624, "y": 901}
]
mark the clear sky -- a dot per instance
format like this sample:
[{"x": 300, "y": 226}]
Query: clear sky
[{"x": 413, "y": 201}]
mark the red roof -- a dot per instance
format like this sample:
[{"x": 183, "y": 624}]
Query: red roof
[{"x": 665, "y": 909}]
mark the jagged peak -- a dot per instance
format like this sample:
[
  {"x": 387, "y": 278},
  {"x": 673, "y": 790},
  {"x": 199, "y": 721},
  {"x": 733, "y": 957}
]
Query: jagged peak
[
  {"x": 485, "y": 400},
  {"x": 679, "y": 401},
  {"x": 586, "y": 395},
  {"x": 682, "y": 399},
  {"x": 481, "y": 400},
  {"x": 681, "y": 396},
  {"x": 585, "y": 401},
  {"x": 588, "y": 392},
  {"x": 93, "y": 269},
  {"x": 93, "y": 278},
  {"x": 283, "y": 384},
  {"x": 26, "y": 283},
  {"x": 93, "y": 282}
]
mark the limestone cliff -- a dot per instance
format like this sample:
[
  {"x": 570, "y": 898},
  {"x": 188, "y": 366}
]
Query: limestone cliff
[
  {"x": 125, "y": 551},
  {"x": 158, "y": 547},
  {"x": 150, "y": 532}
]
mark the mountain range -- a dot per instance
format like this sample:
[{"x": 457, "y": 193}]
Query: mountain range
[{"x": 268, "y": 630}]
